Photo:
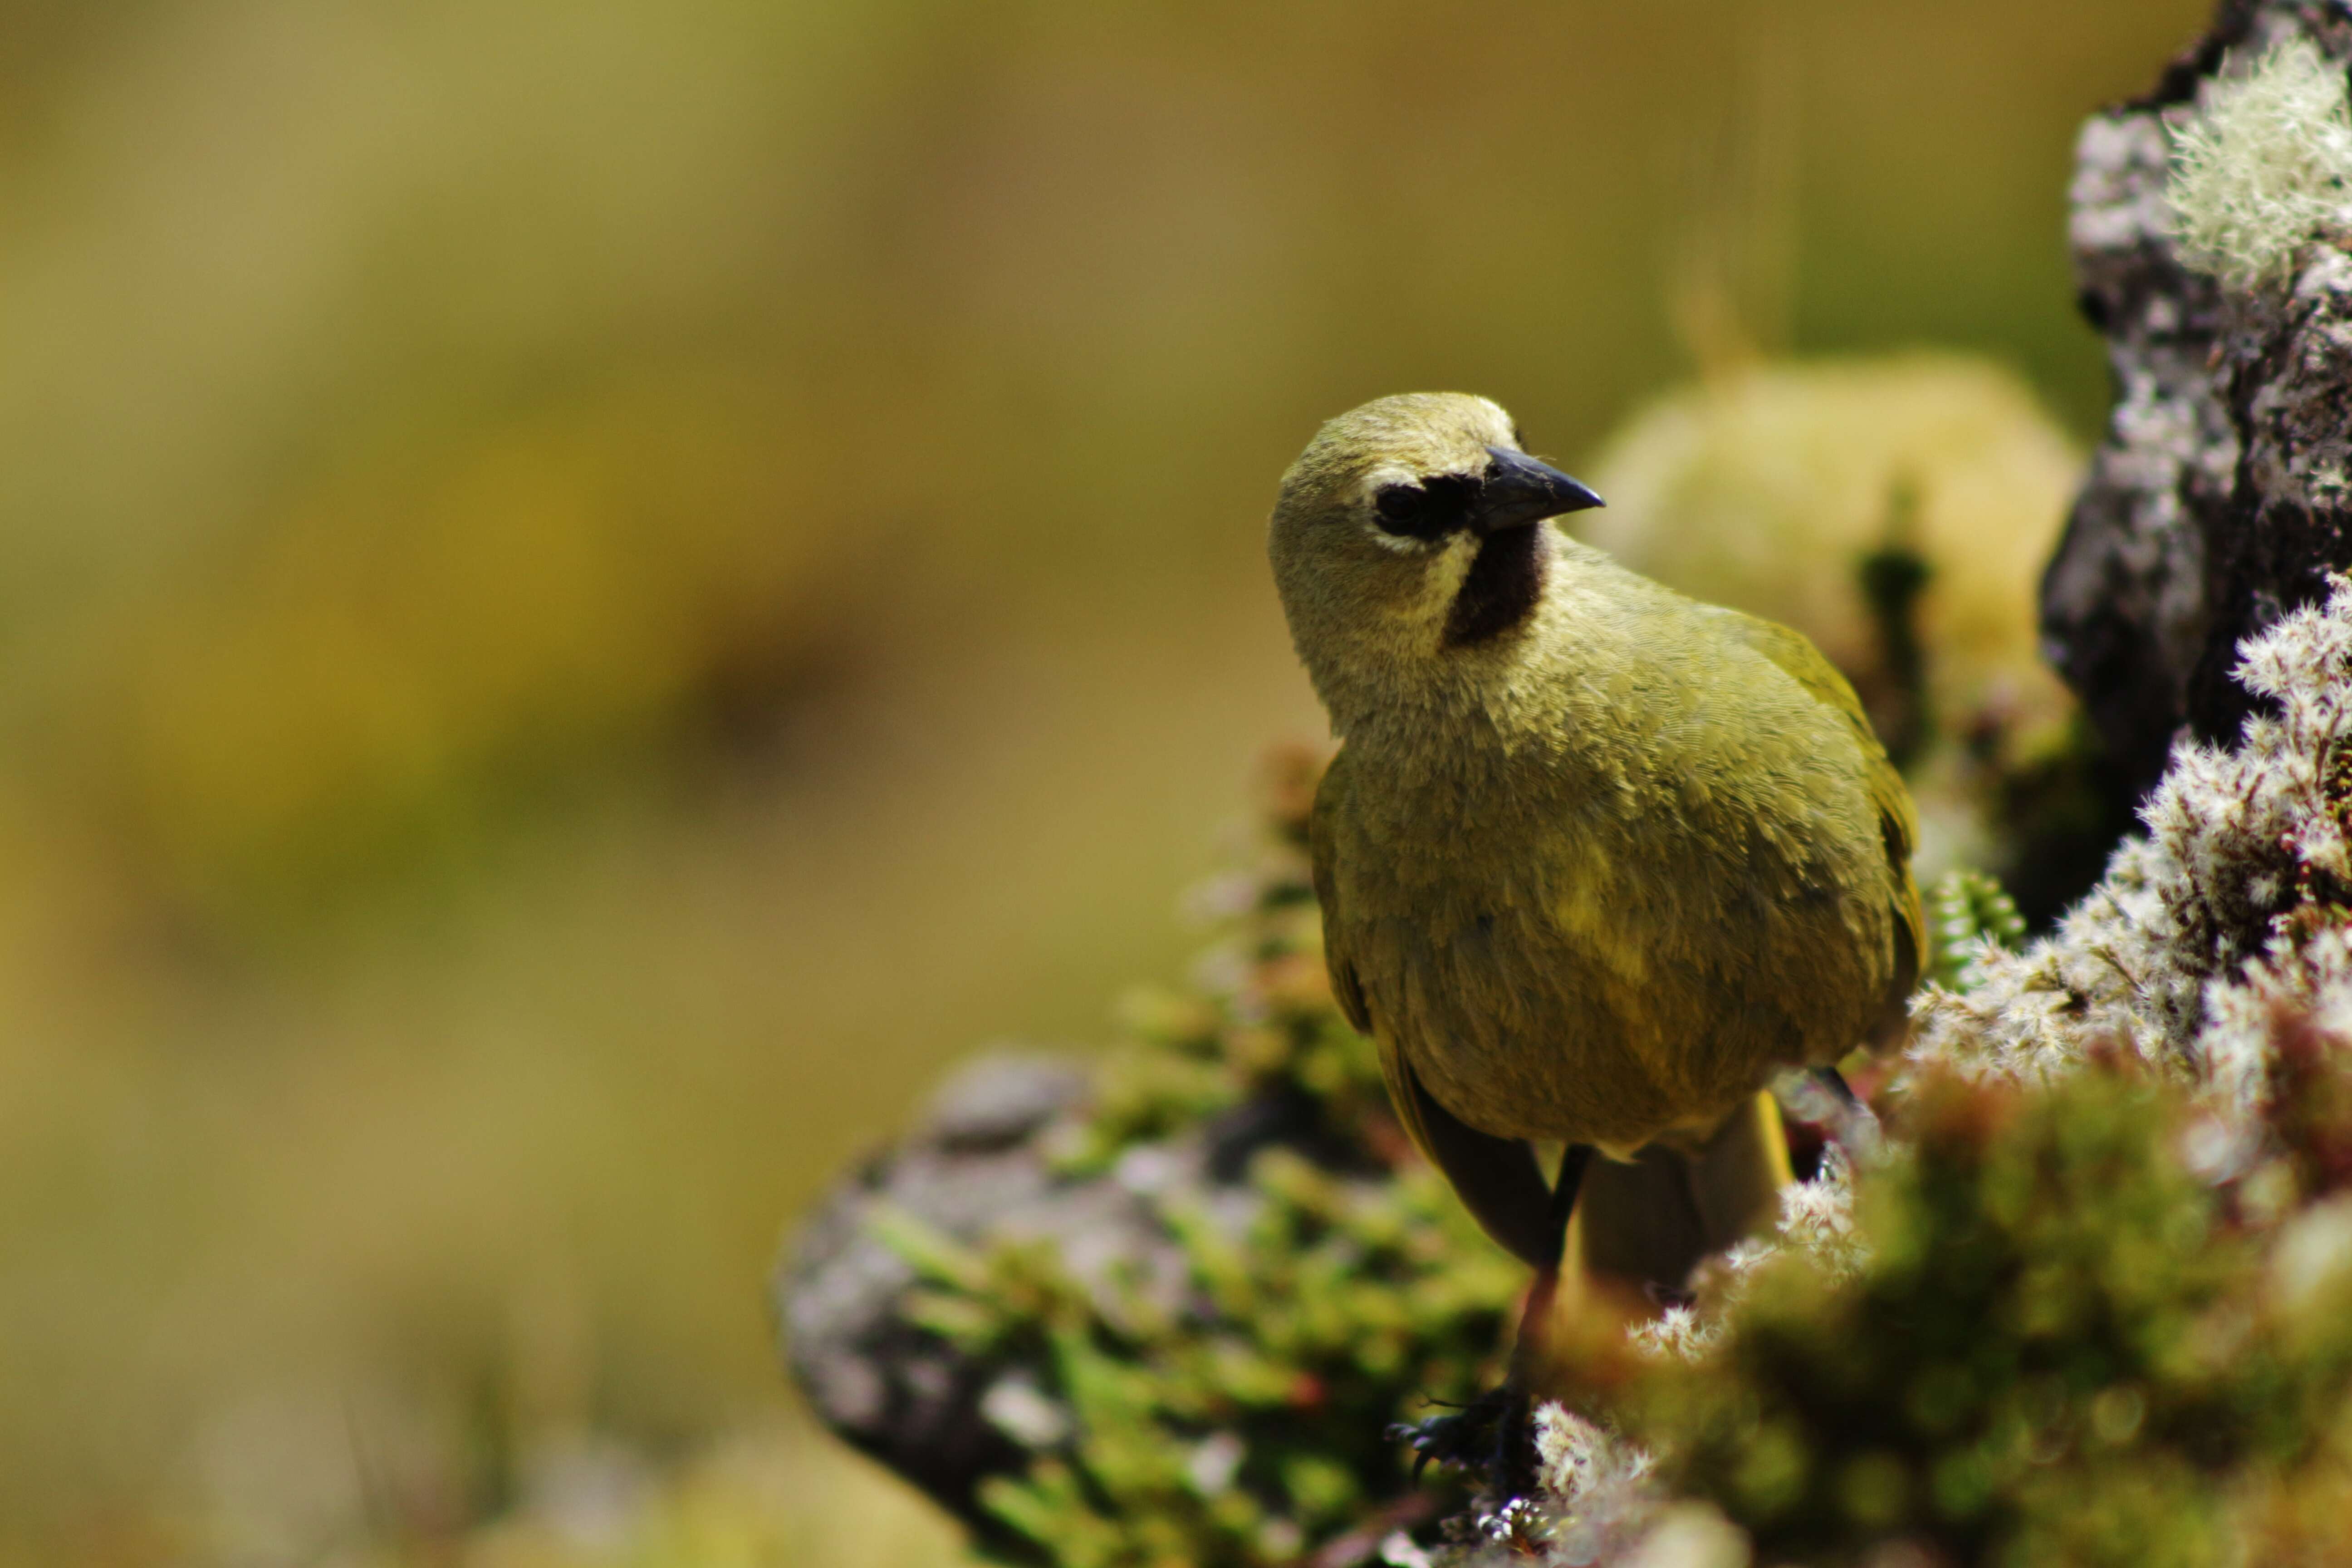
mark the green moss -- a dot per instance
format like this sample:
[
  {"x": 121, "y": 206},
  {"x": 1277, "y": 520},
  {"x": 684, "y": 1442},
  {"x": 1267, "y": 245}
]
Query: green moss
[{"x": 1342, "y": 1294}]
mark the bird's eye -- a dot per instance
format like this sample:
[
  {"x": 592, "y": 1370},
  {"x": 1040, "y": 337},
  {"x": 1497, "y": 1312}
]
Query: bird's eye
[{"x": 1436, "y": 506}]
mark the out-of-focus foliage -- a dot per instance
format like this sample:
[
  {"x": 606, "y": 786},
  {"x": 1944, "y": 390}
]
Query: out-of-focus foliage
[
  {"x": 1898, "y": 512},
  {"x": 1246, "y": 1421},
  {"x": 772, "y": 1495},
  {"x": 1790, "y": 491},
  {"x": 2049, "y": 1328},
  {"x": 2065, "y": 1347},
  {"x": 393, "y": 656}
]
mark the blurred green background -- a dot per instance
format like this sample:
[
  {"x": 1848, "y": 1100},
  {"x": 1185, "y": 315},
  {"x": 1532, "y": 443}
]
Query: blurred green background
[{"x": 592, "y": 590}]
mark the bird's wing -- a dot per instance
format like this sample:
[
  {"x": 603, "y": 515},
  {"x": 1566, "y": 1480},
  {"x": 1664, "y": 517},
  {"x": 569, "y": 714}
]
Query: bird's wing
[
  {"x": 1329, "y": 802},
  {"x": 1799, "y": 659},
  {"x": 1498, "y": 1179}
]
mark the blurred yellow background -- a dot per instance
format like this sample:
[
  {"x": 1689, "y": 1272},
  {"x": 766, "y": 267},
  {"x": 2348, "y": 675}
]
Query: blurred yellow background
[{"x": 590, "y": 589}]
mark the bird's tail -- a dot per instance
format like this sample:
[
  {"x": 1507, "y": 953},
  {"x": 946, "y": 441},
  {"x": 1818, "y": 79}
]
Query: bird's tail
[{"x": 1649, "y": 1223}]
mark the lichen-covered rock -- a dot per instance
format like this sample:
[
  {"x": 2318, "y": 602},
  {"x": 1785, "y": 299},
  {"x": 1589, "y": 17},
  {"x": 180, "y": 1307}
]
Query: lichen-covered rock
[
  {"x": 974, "y": 1168},
  {"x": 2232, "y": 908},
  {"x": 2216, "y": 501}
]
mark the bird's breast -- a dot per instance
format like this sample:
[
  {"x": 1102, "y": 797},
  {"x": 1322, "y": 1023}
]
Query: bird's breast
[{"x": 1606, "y": 967}]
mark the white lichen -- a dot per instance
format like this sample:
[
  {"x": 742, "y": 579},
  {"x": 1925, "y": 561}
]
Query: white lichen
[
  {"x": 2230, "y": 911},
  {"x": 1817, "y": 1217},
  {"x": 1679, "y": 1333},
  {"x": 1583, "y": 1464},
  {"x": 2262, "y": 167},
  {"x": 1598, "y": 1501},
  {"x": 1594, "y": 1500}
]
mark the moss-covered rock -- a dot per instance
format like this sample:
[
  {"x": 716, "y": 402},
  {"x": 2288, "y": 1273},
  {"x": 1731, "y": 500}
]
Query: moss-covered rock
[{"x": 1215, "y": 1279}]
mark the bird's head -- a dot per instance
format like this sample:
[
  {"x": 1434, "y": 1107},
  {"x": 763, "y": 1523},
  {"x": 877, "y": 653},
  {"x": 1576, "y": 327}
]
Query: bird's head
[{"x": 1411, "y": 530}]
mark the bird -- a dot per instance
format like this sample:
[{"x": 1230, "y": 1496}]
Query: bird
[{"x": 1596, "y": 861}]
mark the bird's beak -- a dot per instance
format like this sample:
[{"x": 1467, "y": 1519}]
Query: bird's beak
[{"x": 1518, "y": 490}]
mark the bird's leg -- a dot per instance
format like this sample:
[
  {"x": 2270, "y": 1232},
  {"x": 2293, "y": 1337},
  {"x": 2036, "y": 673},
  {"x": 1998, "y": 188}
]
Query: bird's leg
[
  {"x": 1820, "y": 1097},
  {"x": 1515, "y": 1455},
  {"x": 1496, "y": 1432},
  {"x": 1855, "y": 1124},
  {"x": 1834, "y": 1082}
]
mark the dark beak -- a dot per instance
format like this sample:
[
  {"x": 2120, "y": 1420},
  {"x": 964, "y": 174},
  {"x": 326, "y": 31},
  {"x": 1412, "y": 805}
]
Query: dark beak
[{"x": 1518, "y": 490}]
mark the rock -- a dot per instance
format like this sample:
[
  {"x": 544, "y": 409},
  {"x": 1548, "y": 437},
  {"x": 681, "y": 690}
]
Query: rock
[
  {"x": 972, "y": 1169},
  {"x": 978, "y": 1170},
  {"x": 2212, "y": 506}
]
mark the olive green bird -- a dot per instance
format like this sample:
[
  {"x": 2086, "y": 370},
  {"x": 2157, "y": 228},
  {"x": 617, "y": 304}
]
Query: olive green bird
[{"x": 1596, "y": 860}]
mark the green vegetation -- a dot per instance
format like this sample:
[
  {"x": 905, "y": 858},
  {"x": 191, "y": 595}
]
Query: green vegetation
[
  {"x": 1326, "y": 1298},
  {"x": 2066, "y": 1345},
  {"x": 1968, "y": 911}
]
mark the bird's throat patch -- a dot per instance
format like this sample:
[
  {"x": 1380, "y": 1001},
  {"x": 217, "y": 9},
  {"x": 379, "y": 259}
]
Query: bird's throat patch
[{"x": 1505, "y": 579}]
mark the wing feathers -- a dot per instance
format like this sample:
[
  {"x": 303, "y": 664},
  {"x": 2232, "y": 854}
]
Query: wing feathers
[{"x": 1897, "y": 826}]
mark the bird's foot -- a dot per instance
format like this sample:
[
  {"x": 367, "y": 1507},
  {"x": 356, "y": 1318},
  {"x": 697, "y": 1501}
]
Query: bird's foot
[{"x": 1491, "y": 1439}]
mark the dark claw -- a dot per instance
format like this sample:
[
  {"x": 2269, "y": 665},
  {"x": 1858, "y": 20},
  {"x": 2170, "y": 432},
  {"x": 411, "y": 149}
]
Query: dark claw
[
  {"x": 1492, "y": 1439},
  {"x": 1469, "y": 1439}
]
